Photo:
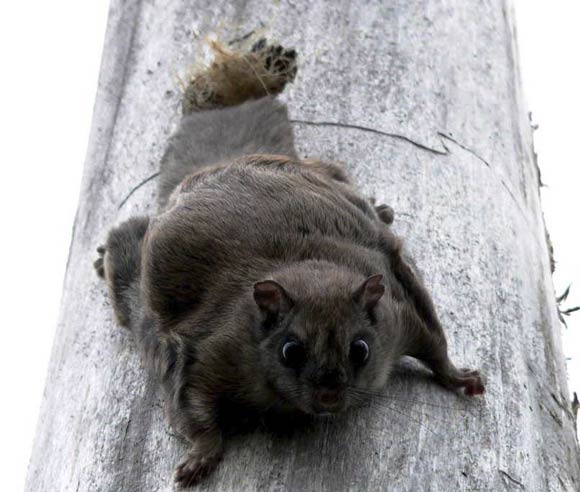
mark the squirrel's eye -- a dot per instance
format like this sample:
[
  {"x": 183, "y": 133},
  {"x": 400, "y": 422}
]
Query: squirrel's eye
[
  {"x": 359, "y": 351},
  {"x": 293, "y": 354}
]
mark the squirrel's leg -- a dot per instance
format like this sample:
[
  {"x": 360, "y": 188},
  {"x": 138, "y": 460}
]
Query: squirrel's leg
[
  {"x": 192, "y": 412},
  {"x": 429, "y": 345},
  {"x": 204, "y": 455},
  {"x": 119, "y": 263},
  {"x": 425, "y": 335}
]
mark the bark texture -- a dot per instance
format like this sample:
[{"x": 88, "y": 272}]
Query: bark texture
[{"x": 422, "y": 102}]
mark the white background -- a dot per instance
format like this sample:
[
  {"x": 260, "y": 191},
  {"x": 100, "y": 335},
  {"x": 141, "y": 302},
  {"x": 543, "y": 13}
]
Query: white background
[{"x": 49, "y": 61}]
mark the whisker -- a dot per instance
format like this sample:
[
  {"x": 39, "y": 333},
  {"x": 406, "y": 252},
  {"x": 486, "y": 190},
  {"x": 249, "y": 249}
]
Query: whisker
[
  {"x": 416, "y": 404},
  {"x": 416, "y": 411},
  {"x": 417, "y": 421},
  {"x": 402, "y": 420},
  {"x": 407, "y": 399}
]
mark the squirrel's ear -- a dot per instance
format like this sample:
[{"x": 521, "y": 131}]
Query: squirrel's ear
[
  {"x": 370, "y": 292},
  {"x": 271, "y": 297}
]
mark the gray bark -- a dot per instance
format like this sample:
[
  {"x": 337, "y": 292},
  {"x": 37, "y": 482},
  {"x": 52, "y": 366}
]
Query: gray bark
[{"x": 442, "y": 78}]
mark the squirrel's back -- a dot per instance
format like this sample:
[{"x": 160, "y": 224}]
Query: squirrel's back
[{"x": 235, "y": 223}]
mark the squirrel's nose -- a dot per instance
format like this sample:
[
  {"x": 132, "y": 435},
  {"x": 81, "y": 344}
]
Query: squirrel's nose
[
  {"x": 331, "y": 379},
  {"x": 329, "y": 399},
  {"x": 328, "y": 396}
]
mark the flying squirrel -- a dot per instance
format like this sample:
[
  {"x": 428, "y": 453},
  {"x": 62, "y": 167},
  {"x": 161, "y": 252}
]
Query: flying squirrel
[{"x": 264, "y": 279}]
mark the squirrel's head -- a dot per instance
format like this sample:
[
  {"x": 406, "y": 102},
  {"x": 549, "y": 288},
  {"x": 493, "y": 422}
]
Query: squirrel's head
[{"x": 325, "y": 335}]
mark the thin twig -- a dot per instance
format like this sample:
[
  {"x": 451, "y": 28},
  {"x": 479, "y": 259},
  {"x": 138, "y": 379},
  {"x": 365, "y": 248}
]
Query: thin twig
[
  {"x": 511, "y": 479},
  {"x": 133, "y": 190},
  {"x": 464, "y": 147}
]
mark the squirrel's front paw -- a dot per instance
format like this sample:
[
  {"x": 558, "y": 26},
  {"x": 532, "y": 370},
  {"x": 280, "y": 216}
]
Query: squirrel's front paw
[
  {"x": 470, "y": 380},
  {"x": 194, "y": 468},
  {"x": 201, "y": 460}
]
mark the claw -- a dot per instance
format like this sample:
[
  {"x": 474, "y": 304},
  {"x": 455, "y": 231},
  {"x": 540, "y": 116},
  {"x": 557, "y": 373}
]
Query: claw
[
  {"x": 471, "y": 381},
  {"x": 194, "y": 468},
  {"x": 259, "y": 45}
]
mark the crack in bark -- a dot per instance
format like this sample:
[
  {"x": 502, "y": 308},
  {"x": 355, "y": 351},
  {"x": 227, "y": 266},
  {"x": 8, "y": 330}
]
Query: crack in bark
[
  {"x": 556, "y": 419},
  {"x": 340, "y": 125},
  {"x": 442, "y": 136},
  {"x": 575, "y": 406},
  {"x": 562, "y": 406},
  {"x": 464, "y": 147},
  {"x": 398, "y": 136},
  {"x": 551, "y": 413},
  {"x": 373, "y": 130},
  {"x": 511, "y": 193},
  {"x": 135, "y": 188},
  {"x": 127, "y": 428},
  {"x": 511, "y": 479}
]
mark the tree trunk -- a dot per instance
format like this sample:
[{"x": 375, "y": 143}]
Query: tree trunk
[{"x": 422, "y": 102}]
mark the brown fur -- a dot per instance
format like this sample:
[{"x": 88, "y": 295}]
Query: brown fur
[
  {"x": 265, "y": 280},
  {"x": 236, "y": 77}
]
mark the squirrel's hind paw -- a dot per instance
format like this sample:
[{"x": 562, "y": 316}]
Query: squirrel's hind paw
[{"x": 235, "y": 77}]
